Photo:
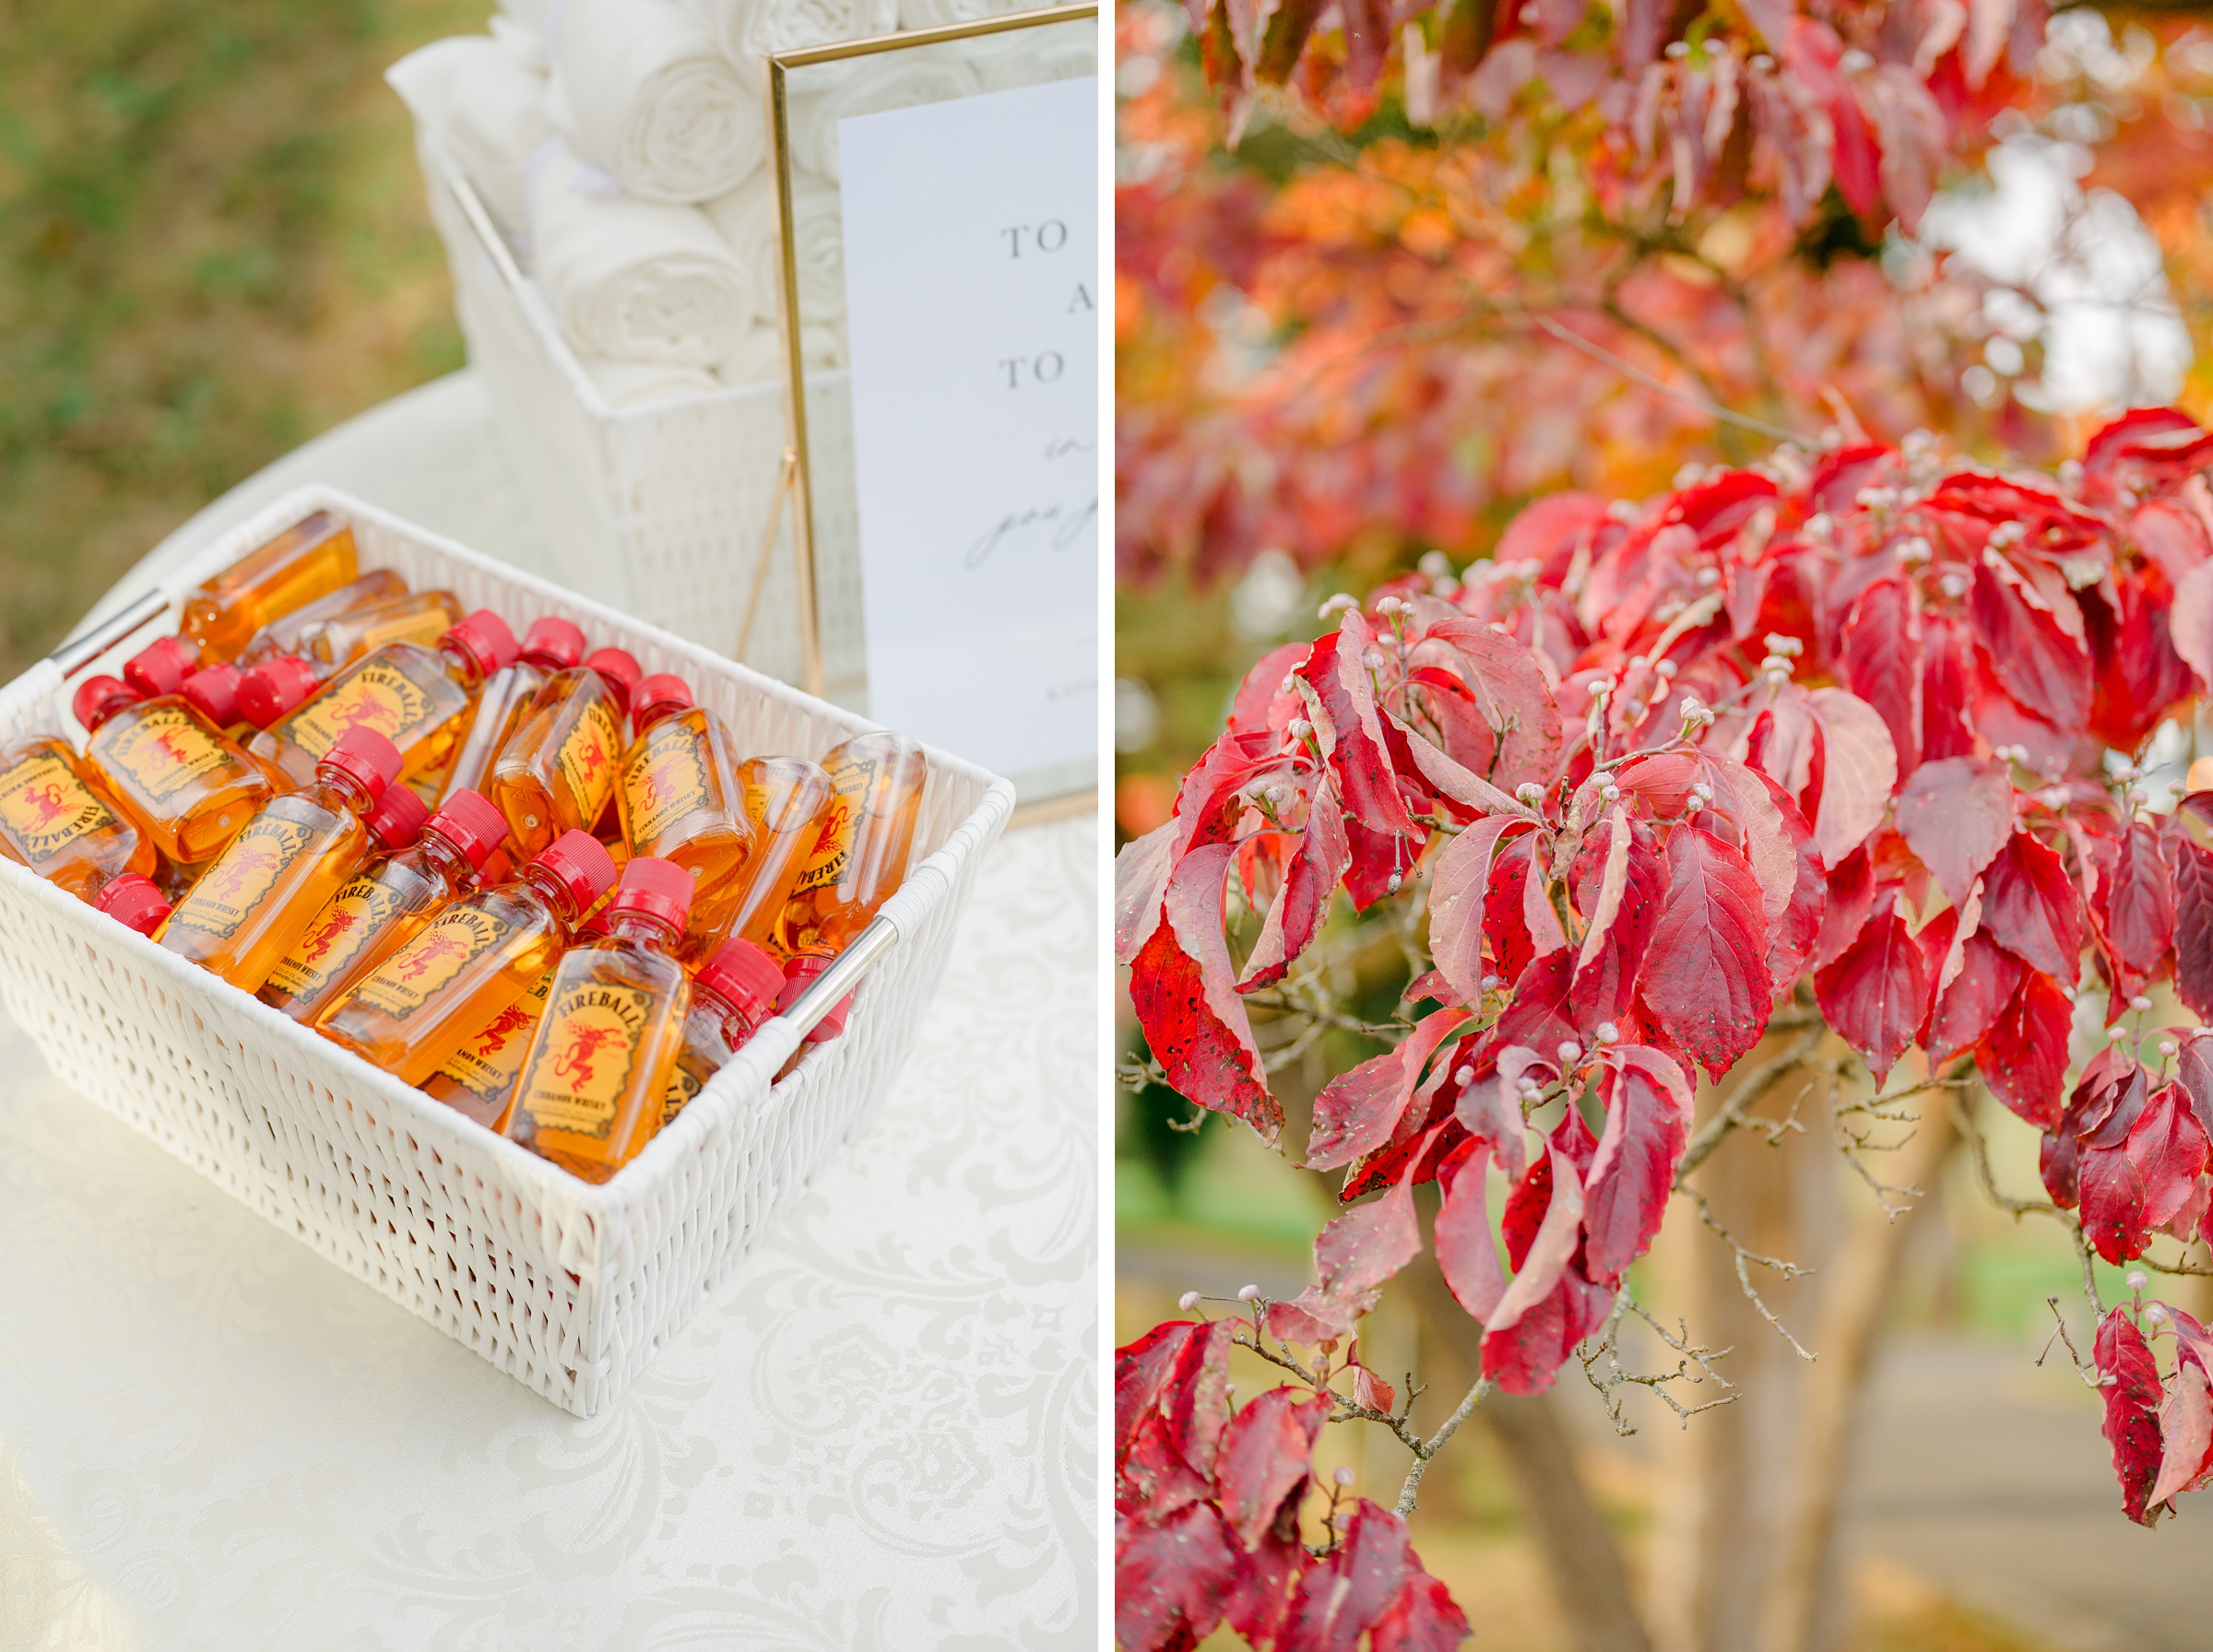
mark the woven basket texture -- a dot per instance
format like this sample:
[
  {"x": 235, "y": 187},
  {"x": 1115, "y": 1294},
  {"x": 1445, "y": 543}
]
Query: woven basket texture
[{"x": 567, "y": 1287}]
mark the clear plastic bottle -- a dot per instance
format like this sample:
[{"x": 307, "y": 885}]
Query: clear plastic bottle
[
  {"x": 555, "y": 772},
  {"x": 589, "y": 1094},
  {"x": 382, "y": 906},
  {"x": 860, "y": 856},
  {"x": 415, "y": 697},
  {"x": 679, "y": 797},
  {"x": 477, "y": 1079},
  {"x": 136, "y": 903},
  {"x": 310, "y": 559},
  {"x": 734, "y": 992},
  {"x": 57, "y": 818},
  {"x": 551, "y": 644},
  {"x": 245, "y": 912},
  {"x": 477, "y": 956},
  {"x": 788, "y": 801},
  {"x": 328, "y": 646},
  {"x": 183, "y": 783},
  {"x": 282, "y": 635}
]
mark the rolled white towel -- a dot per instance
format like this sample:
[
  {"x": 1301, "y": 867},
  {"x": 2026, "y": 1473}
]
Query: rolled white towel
[
  {"x": 748, "y": 30},
  {"x": 520, "y": 41},
  {"x": 634, "y": 280},
  {"x": 635, "y": 384},
  {"x": 646, "y": 93},
  {"x": 759, "y": 359},
  {"x": 486, "y": 108},
  {"x": 825, "y": 94},
  {"x": 747, "y": 218},
  {"x": 1032, "y": 56}
]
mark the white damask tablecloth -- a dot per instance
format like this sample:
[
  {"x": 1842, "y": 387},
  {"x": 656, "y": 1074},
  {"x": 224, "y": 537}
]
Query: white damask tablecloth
[{"x": 878, "y": 1434}]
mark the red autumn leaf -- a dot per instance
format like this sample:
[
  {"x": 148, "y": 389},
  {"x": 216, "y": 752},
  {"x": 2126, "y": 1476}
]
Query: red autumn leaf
[
  {"x": 2030, "y": 908},
  {"x": 1267, "y": 1452},
  {"x": 2034, "y": 651},
  {"x": 1792, "y": 932},
  {"x": 1537, "y": 1014},
  {"x": 1360, "y": 1110},
  {"x": 1618, "y": 886},
  {"x": 1513, "y": 698},
  {"x": 2023, "y": 1056},
  {"x": 2193, "y": 1072},
  {"x": 1170, "y": 1580},
  {"x": 1970, "y": 1004},
  {"x": 1369, "y": 1389},
  {"x": 1324, "y": 855},
  {"x": 1648, "y": 1104},
  {"x": 2132, "y": 1396},
  {"x": 1459, "y": 897},
  {"x": 1354, "y": 1255},
  {"x": 1947, "y": 676},
  {"x": 1261, "y": 705},
  {"x": 2186, "y": 1435},
  {"x": 1341, "y": 1595},
  {"x": 2136, "y": 902},
  {"x": 1187, "y": 1364},
  {"x": 2191, "y": 870},
  {"x": 1752, "y": 804},
  {"x": 1880, "y": 654},
  {"x": 1152, "y": 1479},
  {"x": 1466, "y": 1253},
  {"x": 1850, "y": 898},
  {"x": 1423, "y": 1619},
  {"x": 2140, "y": 675},
  {"x": 1956, "y": 815},
  {"x": 2158, "y": 440},
  {"x": 1705, "y": 977},
  {"x": 1505, "y": 909},
  {"x": 2169, "y": 1150},
  {"x": 1523, "y": 1358},
  {"x": 1185, "y": 996},
  {"x": 1876, "y": 996},
  {"x": 1266, "y": 1573},
  {"x": 1859, "y": 767},
  {"x": 1542, "y": 1254},
  {"x": 1343, "y": 706}
]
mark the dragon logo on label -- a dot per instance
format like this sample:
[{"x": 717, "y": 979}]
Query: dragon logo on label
[
  {"x": 242, "y": 880},
  {"x": 45, "y": 807},
  {"x": 403, "y": 982},
  {"x": 581, "y": 1064}
]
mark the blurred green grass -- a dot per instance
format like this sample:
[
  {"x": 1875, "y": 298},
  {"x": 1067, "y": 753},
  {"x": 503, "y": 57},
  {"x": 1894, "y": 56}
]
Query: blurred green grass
[{"x": 213, "y": 245}]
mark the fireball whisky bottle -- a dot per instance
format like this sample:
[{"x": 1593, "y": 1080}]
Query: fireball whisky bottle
[
  {"x": 468, "y": 964},
  {"x": 245, "y": 912},
  {"x": 415, "y": 697},
  {"x": 477, "y": 1079},
  {"x": 556, "y": 771},
  {"x": 57, "y": 818},
  {"x": 679, "y": 797},
  {"x": 282, "y": 635},
  {"x": 188, "y": 787},
  {"x": 859, "y": 856},
  {"x": 309, "y": 560},
  {"x": 381, "y": 907},
  {"x": 213, "y": 693},
  {"x": 590, "y": 1091},
  {"x": 734, "y": 992},
  {"x": 330, "y": 645},
  {"x": 136, "y": 903},
  {"x": 788, "y": 801},
  {"x": 551, "y": 644}
]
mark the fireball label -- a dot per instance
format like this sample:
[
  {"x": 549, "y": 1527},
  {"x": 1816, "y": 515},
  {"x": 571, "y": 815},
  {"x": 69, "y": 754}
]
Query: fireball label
[
  {"x": 826, "y": 861},
  {"x": 683, "y": 1084},
  {"x": 236, "y": 885},
  {"x": 376, "y": 694},
  {"x": 587, "y": 757},
  {"x": 487, "y": 1062},
  {"x": 580, "y": 1064},
  {"x": 162, "y": 751},
  {"x": 407, "y": 979},
  {"x": 45, "y": 807},
  {"x": 337, "y": 938},
  {"x": 665, "y": 781}
]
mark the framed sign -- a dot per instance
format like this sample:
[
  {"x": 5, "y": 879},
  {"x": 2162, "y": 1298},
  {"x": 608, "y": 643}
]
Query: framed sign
[{"x": 937, "y": 207}]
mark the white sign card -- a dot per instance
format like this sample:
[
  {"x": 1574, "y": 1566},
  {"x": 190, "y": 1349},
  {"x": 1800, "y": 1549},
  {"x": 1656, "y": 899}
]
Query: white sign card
[{"x": 971, "y": 303}]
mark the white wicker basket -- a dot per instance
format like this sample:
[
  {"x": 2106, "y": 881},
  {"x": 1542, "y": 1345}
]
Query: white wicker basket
[
  {"x": 567, "y": 1287},
  {"x": 658, "y": 510}
]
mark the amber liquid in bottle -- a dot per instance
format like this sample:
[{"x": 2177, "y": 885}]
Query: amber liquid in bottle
[
  {"x": 309, "y": 560},
  {"x": 187, "y": 784},
  {"x": 859, "y": 856},
  {"x": 282, "y": 635},
  {"x": 788, "y": 801},
  {"x": 415, "y": 697},
  {"x": 729, "y": 1002},
  {"x": 590, "y": 1093},
  {"x": 57, "y": 818},
  {"x": 418, "y": 617},
  {"x": 681, "y": 801},
  {"x": 551, "y": 644},
  {"x": 248, "y": 909},
  {"x": 556, "y": 771},
  {"x": 458, "y": 972},
  {"x": 477, "y": 1079}
]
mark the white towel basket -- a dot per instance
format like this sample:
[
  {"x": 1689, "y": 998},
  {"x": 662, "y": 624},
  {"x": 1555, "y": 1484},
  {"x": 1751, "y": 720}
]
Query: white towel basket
[{"x": 567, "y": 1287}]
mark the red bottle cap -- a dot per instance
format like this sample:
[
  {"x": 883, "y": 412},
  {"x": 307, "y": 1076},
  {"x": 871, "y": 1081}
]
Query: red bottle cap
[
  {"x": 744, "y": 976},
  {"x": 134, "y": 902},
  {"x": 471, "y": 824},
  {"x": 660, "y": 888},
  {"x": 214, "y": 693},
  {"x": 398, "y": 819},
  {"x": 582, "y": 865},
  {"x": 596, "y": 926},
  {"x": 552, "y": 643},
  {"x": 367, "y": 757},
  {"x": 161, "y": 666},
  {"x": 658, "y": 696},
  {"x": 618, "y": 671},
  {"x": 100, "y": 698},
  {"x": 498, "y": 868},
  {"x": 484, "y": 640},
  {"x": 274, "y": 687},
  {"x": 798, "y": 976}
]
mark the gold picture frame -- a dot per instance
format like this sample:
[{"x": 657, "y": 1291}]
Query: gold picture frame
[{"x": 798, "y": 473}]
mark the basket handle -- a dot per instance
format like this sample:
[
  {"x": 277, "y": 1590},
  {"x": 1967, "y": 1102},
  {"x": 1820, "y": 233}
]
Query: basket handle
[{"x": 77, "y": 653}]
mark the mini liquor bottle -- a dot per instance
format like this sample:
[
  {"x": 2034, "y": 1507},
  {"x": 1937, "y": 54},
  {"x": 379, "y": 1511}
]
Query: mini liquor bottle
[
  {"x": 382, "y": 907},
  {"x": 187, "y": 786},
  {"x": 57, "y": 818},
  {"x": 245, "y": 912},
  {"x": 282, "y": 635},
  {"x": 734, "y": 992},
  {"x": 136, "y": 903},
  {"x": 415, "y": 697},
  {"x": 786, "y": 801},
  {"x": 589, "y": 1094},
  {"x": 679, "y": 797},
  {"x": 477, "y": 1079},
  {"x": 213, "y": 693},
  {"x": 421, "y": 617},
  {"x": 859, "y": 856},
  {"x": 473, "y": 960},
  {"x": 551, "y": 644},
  {"x": 309, "y": 560},
  {"x": 555, "y": 772}
]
